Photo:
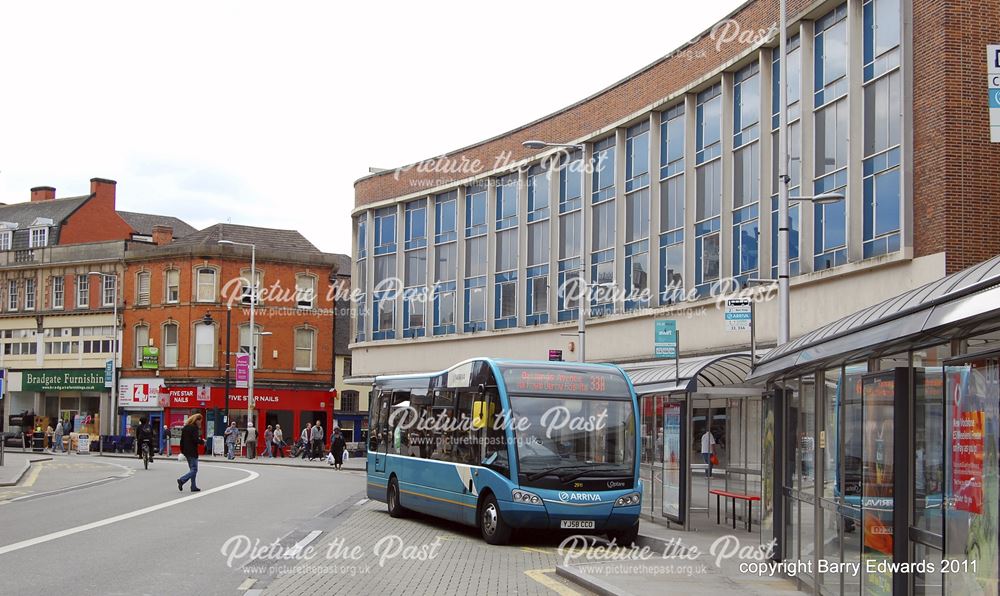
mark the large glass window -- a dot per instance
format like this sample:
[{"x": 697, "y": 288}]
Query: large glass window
[
  {"x": 82, "y": 291},
  {"x": 538, "y": 192},
  {"x": 794, "y": 167},
  {"x": 637, "y": 156},
  {"x": 929, "y": 418},
  {"x": 446, "y": 253},
  {"x": 570, "y": 234},
  {"x": 746, "y": 171},
  {"x": 603, "y": 227},
  {"x": 831, "y": 134},
  {"x": 708, "y": 189},
  {"x": 672, "y": 199},
  {"x": 385, "y": 229},
  {"x": 883, "y": 120}
]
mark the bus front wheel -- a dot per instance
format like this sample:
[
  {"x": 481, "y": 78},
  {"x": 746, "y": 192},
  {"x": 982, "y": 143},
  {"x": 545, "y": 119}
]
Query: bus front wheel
[
  {"x": 491, "y": 524},
  {"x": 392, "y": 499}
]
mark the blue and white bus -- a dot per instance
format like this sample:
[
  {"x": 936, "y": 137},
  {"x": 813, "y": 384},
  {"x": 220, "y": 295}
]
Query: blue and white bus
[{"x": 504, "y": 444}]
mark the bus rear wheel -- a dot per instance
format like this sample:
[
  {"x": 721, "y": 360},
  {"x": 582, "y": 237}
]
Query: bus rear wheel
[
  {"x": 491, "y": 524},
  {"x": 392, "y": 499}
]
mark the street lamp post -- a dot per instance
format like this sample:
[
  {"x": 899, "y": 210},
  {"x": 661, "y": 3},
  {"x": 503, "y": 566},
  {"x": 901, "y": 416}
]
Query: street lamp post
[
  {"x": 116, "y": 344},
  {"x": 581, "y": 320},
  {"x": 784, "y": 308},
  {"x": 253, "y": 329}
]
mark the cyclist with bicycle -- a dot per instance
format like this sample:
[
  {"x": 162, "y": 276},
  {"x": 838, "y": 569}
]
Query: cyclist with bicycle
[{"x": 144, "y": 435}]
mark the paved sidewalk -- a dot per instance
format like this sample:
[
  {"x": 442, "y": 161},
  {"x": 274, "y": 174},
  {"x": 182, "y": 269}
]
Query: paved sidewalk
[
  {"x": 354, "y": 463},
  {"x": 687, "y": 562},
  {"x": 16, "y": 464}
]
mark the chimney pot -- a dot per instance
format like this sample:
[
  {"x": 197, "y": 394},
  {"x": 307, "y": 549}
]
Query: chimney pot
[
  {"x": 162, "y": 235},
  {"x": 42, "y": 193}
]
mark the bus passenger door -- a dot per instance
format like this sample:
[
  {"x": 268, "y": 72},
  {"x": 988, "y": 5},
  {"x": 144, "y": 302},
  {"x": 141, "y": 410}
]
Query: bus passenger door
[{"x": 380, "y": 431}]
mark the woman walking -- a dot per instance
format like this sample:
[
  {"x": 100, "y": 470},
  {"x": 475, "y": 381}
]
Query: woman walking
[
  {"x": 190, "y": 441},
  {"x": 279, "y": 441},
  {"x": 268, "y": 441},
  {"x": 337, "y": 448}
]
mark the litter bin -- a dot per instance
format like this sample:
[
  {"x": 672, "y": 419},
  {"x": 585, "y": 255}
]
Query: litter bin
[{"x": 38, "y": 442}]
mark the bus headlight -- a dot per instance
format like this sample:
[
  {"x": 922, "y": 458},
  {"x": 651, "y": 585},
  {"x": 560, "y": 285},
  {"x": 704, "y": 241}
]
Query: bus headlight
[
  {"x": 628, "y": 500},
  {"x": 521, "y": 496}
]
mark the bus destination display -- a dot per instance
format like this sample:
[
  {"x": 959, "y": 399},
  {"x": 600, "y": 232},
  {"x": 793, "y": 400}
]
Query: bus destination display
[{"x": 550, "y": 381}]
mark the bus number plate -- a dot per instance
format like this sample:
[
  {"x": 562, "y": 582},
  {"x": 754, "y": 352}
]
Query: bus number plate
[{"x": 577, "y": 524}]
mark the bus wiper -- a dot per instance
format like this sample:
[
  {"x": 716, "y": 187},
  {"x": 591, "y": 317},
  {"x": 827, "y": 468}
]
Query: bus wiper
[
  {"x": 590, "y": 469},
  {"x": 537, "y": 475}
]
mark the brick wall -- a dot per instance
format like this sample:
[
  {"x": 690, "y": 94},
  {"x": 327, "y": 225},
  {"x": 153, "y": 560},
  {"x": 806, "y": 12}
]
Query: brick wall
[
  {"x": 96, "y": 220},
  {"x": 956, "y": 184},
  {"x": 187, "y": 313}
]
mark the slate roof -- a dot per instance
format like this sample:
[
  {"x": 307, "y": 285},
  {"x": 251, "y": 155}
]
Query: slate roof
[
  {"x": 143, "y": 223},
  {"x": 23, "y": 214},
  {"x": 270, "y": 239}
]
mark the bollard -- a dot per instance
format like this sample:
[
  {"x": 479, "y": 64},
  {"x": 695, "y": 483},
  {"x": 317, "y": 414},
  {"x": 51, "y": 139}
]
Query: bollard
[{"x": 3, "y": 442}]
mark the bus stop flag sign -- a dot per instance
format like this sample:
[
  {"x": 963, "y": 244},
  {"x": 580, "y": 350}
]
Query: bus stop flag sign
[
  {"x": 738, "y": 314},
  {"x": 665, "y": 339},
  {"x": 993, "y": 89}
]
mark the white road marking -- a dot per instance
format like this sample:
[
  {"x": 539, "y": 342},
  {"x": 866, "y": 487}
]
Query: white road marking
[
  {"x": 361, "y": 502},
  {"x": 301, "y": 544},
  {"x": 117, "y": 518},
  {"x": 247, "y": 584}
]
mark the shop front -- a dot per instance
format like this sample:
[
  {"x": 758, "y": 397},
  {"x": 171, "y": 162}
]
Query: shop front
[
  {"x": 681, "y": 401},
  {"x": 140, "y": 398},
  {"x": 887, "y": 441},
  {"x": 289, "y": 408},
  {"x": 77, "y": 397}
]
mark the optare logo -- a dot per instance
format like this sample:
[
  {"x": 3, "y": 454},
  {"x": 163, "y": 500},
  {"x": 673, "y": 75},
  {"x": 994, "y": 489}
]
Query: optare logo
[
  {"x": 616, "y": 484},
  {"x": 566, "y": 497}
]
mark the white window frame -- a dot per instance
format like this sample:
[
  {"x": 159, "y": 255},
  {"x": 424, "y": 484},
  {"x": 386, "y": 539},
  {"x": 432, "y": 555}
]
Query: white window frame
[
  {"x": 244, "y": 348},
  {"x": 6, "y": 240},
  {"x": 82, "y": 290},
  {"x": 142, "y": 297},
  {"x": 167, "y": 286},
  {"x": 42, "y": 232},
  {"x": 198, "y": 284},
  {"x": 199, "y": 358},
  {"x": 58, "y": 292},
  {"x": 13, "y": 295},
  {"x": 138, "y": 345},
  {"x": 29, "y": 283},
  {"x": 300, "y": 300},
  {"x": 312, "y": 348},
  {"x": 109, "y": 289},
  {"x": 167, "y": 363}
]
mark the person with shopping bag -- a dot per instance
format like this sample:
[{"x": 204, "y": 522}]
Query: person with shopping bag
[{"x": 337, "y": 448}]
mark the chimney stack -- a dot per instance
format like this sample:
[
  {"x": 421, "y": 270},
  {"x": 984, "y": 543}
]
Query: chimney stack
[
  {"x": 42, "y": 193},
  {"x": 162, "y": 235},
  {"x": 103, "y": 191}
]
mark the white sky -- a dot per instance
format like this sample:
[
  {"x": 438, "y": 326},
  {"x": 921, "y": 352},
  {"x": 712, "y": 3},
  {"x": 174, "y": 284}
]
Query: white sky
[{"x": 264, "y": 113}]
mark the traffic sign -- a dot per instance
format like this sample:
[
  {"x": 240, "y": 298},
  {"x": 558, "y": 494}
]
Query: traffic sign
[
  {"x": 738, "y": 314},
  {"x": 665, "y": 338}
]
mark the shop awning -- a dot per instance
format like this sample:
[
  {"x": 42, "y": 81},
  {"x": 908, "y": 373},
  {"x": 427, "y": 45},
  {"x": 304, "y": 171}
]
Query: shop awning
[
  {"x": 937, "y": 309},
  {"x": 690, "y": 374}
]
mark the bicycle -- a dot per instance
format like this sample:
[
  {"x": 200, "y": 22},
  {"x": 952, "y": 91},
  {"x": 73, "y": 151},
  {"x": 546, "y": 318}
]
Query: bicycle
[{"x": 146, "y": 455}]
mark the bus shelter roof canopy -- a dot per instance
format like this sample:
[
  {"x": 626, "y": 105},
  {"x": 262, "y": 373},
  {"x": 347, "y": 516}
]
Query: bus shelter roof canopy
[
  {"x": 690, "y": 374},
  {"x": 949, "y": 307}
]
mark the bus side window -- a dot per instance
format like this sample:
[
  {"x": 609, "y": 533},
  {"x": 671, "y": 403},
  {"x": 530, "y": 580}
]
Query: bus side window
[
  {"x": 495, "y": 452},
  {"x": 396, "y": 422},
  {"x": 466, "y": 445},
  {"x": 379, "y": 420}
]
